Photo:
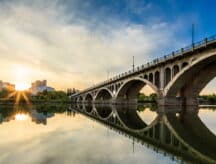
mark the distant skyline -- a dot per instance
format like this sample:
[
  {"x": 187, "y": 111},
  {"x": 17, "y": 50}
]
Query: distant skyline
[{"x": 74, "y": 43}]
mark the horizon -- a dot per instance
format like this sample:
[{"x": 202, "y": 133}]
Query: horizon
[{"x": 77, "y": 45}]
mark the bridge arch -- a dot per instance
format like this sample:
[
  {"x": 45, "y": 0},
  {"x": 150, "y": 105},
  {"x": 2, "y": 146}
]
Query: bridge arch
[
  {"x": 131, "y": 88},
  {"x": 104, "y": 112},
  {"x": 192, "y": 79},
  {"x": 103, "y": 94},
  {"x": 151, "y": 77},
  {"x": 89, "y": 98}
]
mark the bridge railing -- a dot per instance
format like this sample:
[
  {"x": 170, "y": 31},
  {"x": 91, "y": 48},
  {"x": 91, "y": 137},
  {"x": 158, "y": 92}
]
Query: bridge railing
[
  {"x": 179, "y": 52},
  {"x": 159, "y": 60}
]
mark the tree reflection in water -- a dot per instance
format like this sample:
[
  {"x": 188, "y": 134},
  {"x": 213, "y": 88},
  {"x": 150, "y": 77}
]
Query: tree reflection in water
[{"x": 37, "y": 113}]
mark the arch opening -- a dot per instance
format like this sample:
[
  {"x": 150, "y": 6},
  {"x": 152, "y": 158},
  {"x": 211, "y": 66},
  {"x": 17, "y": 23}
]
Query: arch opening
[
  {"x": 210, "y": 88},
  {"x": 136, "y": 91},
  {"x": 175, "y": 70},
  {"x": 167, "y": 75},
  {"x": 151, "y": 77},
  {"x": 130, "y": 118},
  {"x": 112, "y": 87},
  {"x": 104, "y": 111},
  {"x": 88, "y": 108},
  {"x": 88, "y": 98},
  {"x": 147, "y": 114},
  {"x": 118, "y": 85},
  {"x": 103, "y": 95},
  {"x": 157, "y": 79},
  {"x": 207, "y": 95},
  {"x": 146, "y": 77},
  {"x": 189, "y": 83}
]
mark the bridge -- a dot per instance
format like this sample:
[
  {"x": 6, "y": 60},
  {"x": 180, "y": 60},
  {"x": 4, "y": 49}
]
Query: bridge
[
  {"x": 177, "y": 78},
  {"x": 177, "y": 134}
]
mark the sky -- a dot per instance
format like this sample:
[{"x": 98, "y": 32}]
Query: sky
[{"x": 73, "y": 43}]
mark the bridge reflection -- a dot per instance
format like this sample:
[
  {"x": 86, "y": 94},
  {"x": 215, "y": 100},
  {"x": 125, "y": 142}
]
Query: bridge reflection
[{"x": 179, "y": 134}]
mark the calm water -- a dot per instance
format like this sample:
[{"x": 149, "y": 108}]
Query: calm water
[{"x": 106, "y": 134}]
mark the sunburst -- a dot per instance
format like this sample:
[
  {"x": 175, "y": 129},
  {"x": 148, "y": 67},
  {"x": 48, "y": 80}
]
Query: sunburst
[{"x": 18, "y": 96}]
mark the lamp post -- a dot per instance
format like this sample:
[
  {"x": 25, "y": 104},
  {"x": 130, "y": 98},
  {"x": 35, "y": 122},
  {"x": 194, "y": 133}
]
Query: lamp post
[
  {"x": 133, "y": 64},
  {"x": 192, "y": 34}
]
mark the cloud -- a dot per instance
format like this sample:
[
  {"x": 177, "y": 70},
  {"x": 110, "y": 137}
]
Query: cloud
[
  {"x": 70, "y": 50},
  {"x": 139, "y": 7}
]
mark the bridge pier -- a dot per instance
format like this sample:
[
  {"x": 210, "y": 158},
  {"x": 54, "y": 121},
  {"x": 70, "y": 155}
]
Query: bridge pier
[
  {"x": 191, "y": 101},
  {"x": 177, "y": 101}
]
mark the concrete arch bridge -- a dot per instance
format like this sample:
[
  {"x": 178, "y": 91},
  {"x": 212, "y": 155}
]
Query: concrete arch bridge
[{"x": 177, "y": 78}]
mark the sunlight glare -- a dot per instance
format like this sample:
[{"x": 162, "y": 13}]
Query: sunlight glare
[{"x": 22, "y": 86}]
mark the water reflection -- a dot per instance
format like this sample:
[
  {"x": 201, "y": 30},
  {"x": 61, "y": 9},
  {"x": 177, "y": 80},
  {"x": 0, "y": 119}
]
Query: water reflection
[
  {"x": 208, "y": 117},
  {"x": 38, "y": 113},
  {"x": 146, "y": 135},
  {"x": 147, "y": 113},
  {"x": 181, "y": 134},
  {"x": 21, "y": 116}
]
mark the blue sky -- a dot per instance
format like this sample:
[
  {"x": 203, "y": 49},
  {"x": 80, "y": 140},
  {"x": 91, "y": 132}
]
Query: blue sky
[
  {"x": 84, "y": 39},
  {"x": 147, "y": 12}
]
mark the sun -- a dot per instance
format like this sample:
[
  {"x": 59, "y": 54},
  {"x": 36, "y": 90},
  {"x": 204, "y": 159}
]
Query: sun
[{"x": 22, "y": 86}]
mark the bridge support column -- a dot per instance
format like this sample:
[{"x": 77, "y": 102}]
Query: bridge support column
[
  {"x": 162, "y": 79},
  {"x": 170, "y": 101},
  {"x": 191, "y": 101},
  {"x": 162, "y": 133}
]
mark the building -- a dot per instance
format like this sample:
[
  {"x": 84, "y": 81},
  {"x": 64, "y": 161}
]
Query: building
[
  {"x": 40, "y": 86},
  {"x": 6, "y": 85},
  {"x": 40, "y": 118}
]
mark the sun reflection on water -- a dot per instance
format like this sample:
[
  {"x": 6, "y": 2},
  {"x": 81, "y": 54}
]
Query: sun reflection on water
[{"x": 21, "y": 117}]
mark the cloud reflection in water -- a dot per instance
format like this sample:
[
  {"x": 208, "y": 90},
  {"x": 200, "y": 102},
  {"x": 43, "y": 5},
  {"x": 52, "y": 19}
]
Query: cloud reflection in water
[{"x": 69, "y": 140}]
